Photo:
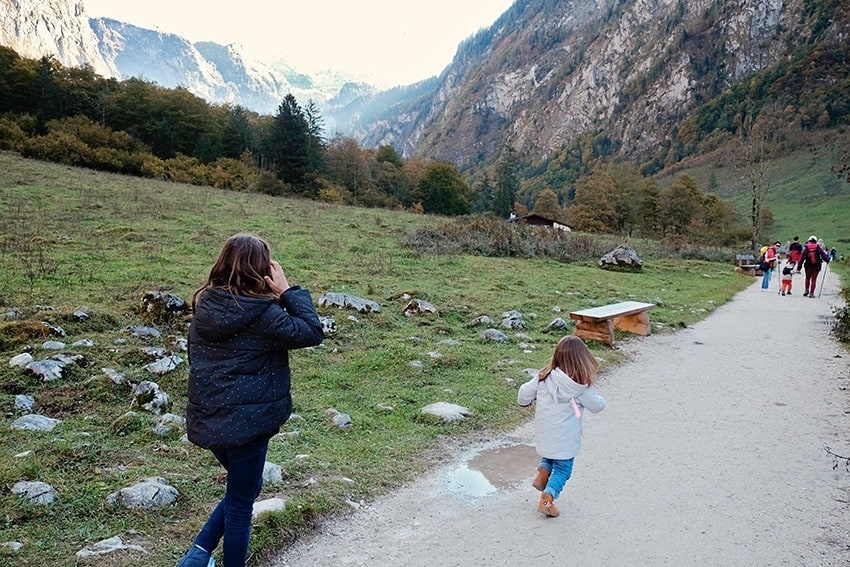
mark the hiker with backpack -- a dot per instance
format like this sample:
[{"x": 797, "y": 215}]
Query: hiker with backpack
[
  {"x": 767, "y": 262},
  {"x": 795, "y": 251},
  {"x": 813, "y": 258}
]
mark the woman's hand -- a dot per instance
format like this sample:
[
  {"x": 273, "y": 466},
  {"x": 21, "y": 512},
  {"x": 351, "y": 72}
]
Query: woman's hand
[{"x": 277, "y": 279}]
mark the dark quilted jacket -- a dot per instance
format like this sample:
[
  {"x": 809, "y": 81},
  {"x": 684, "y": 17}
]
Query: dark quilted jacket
[{"x": 239, "y": 389}]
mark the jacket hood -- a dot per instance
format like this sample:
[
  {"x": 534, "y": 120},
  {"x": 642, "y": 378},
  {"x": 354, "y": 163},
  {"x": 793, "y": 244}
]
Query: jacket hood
[
  {"x": 220, "y": 315},
  {"x": 562, "y": 387}
]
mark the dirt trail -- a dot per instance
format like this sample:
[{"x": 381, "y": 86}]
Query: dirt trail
[{"x": 711, "y": 452}]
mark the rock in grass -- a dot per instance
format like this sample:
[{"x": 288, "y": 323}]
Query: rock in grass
[
  {"x": 35, "y": 422},
  {"x": 36, "y": 493},
  {"x": 106, "y": 547},
  {"x": 449, "y": 413},
  {"x": 268, "y": 506},
  {"x": 150, "y": 492}
]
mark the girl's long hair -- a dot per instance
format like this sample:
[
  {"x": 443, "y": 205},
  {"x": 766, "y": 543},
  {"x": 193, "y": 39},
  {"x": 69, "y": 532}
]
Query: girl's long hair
[
  {"x": 573, "y": 358},
  {"x": 243, "y": 262}
]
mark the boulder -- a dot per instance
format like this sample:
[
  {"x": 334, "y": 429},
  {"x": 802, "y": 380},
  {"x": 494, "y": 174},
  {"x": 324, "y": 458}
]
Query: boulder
[{"x": 621, "y": 258}]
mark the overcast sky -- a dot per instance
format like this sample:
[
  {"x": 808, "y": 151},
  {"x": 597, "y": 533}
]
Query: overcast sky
[{"x": 389, "y": 42}]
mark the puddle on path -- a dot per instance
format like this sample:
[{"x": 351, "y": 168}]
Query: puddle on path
[{"x": 493, "y": 470}]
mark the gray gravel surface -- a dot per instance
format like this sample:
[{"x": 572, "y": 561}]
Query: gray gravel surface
[{"x": 712, "y": 451}]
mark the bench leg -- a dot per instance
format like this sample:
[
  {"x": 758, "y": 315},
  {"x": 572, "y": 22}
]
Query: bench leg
[
  {"x": 602, "y": 331},
  {"x": 637, "y": 323}
]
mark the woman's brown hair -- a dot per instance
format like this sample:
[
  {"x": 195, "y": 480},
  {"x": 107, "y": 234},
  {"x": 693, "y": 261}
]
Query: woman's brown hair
[
  {"x": 241, "y": 267},
  {"x": 574, "y": 358}
]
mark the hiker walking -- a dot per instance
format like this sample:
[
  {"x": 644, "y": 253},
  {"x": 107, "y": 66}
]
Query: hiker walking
[
  {"x": 562, "y": 389},
  {"x": 246, "y": 320},
  {"x": 813, "y": 258},
  {"x": 770, "y": 258},
  {"x": 795, "y": 250}
]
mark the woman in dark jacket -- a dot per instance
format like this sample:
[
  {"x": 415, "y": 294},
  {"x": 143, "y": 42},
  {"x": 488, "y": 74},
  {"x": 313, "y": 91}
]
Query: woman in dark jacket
[{"x": 246, "y": 319}]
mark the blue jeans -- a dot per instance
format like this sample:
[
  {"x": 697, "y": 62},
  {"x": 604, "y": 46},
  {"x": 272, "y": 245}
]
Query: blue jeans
[
  {"x": 560, "y": 471},
  {"x": 765, "y": 279},
  {"x": 231, "y": 519}
]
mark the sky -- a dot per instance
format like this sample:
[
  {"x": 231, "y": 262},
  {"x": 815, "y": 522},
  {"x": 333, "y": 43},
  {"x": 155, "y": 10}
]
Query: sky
[{"x": 387, "y": 42}]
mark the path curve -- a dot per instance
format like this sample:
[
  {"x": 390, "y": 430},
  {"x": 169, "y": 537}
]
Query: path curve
[{"x": 711, "y": 452}]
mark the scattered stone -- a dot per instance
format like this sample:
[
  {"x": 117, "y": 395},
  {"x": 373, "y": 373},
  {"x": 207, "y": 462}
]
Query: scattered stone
[
  {"x": 449, "y": 342},
  {"x": 162, "y": 307},
  {"x": 342, "y": 300},
  {"x": 623, "y": 258},
  {"x": 150, "y": 492},
  {"x": 154, "y": 352},
  {"x": 24, "y": 402},
  {"x": 142, "y": 332},
  {"x": 494, "y": 336},
  {"x": 419, "y": 307},
  {"x": 115, "y": 376},
  {"x": 52, "y": 345},
  {"x": 385, "y": 407},
  {"x": 416, "y": 363},
  {"x": 481, "y": 320},
  {"x": 167, "y": 423},
  {"x": 180, "y": 343},
  {"x": 36, "y": 493},
  {"x": 267, "y": 506},
  {"x": 47, "y": 370},
  {"x": 353, "y": 319},
  {"x": 109, "y": 546},
  {"x": 272, "y": 474},
  {"x": 329, "y": 326},
  {"x": 341, "y": 420},
  {"x": 21, "y": 360},
  {"x": 512, "y": 320},
  {"x": 55, "y": 329},
  {"x": 67, "y": 359},
  {"x": 449, "y": 413},
  {"x": 558, "y": 324},
  {"x": 83, "y": 343},
  {"x": 557, "y": 309},
  {"x": 35, "y": 422},
  {"x": 13, "y": 546},
  {"x": 164, "y": 365},
  {"x": 81, "y": 315},
  {"x": 150, "y": 397}
]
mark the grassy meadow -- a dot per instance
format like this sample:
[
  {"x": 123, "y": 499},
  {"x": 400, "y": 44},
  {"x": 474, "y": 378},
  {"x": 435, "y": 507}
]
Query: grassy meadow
[{"x": 74, "y": 239}]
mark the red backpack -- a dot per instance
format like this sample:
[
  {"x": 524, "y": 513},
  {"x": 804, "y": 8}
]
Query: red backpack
[{"x": 813, "y": 257}]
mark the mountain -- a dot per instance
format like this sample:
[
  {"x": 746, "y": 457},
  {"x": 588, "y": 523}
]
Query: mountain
[
  {"x": 549, "y": 72},
  {"x": 214, "y": 72},
  {"x": 35, "y": 28}
]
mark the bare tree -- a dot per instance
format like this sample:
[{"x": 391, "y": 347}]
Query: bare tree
[{"x": 759, "y": 143}]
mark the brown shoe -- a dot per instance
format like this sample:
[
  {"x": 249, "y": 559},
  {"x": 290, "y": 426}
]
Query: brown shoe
[
  {"x": 547, "y": 506},
  {"x": 541, "y": 479}
]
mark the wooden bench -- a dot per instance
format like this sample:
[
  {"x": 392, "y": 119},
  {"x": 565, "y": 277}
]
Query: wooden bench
[
  {"x": 746, "y": 263},
  {"x": 598, "y": 323}
]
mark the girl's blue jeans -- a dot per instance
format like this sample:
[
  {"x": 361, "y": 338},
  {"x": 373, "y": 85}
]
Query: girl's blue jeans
[
  {"x": 560, "y": 471},
  {"x": 765, "y": 279},
  {"x": 231, "y": 519}
]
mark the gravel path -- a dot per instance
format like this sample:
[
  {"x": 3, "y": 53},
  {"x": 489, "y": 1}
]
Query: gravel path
[{"x": 711, "y": 452}]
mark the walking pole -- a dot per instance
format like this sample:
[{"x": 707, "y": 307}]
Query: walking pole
[{"x": 823, "y": 279}]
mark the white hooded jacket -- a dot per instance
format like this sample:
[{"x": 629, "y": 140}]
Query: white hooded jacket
[{"x": 557, "y": 419}]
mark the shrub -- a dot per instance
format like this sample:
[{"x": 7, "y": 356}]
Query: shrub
[
  {"x": 60, "y": 147},
  {"x": 841, "y": 326}
]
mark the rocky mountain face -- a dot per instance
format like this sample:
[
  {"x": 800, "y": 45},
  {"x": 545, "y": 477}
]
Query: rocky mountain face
[
  {"x": 35, "y": 28},
  {"x": 217, "y": 73},
  {"x": 549, "y": 71}
]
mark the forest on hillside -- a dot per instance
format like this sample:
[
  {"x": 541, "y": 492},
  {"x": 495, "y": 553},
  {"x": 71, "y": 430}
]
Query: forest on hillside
[{"x": 135, "y": 127}]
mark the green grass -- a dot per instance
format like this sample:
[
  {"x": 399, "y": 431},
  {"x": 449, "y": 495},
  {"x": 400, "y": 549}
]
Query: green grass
[
  {"x": 805, "y": 197},
  {"x": 71, "y": 238}
]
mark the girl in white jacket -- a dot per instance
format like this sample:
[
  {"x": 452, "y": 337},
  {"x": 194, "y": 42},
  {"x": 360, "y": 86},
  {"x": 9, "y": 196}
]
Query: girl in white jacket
[{"x": 562, "y": 389}]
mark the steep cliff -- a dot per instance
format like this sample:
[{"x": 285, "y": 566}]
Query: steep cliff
[
  {"x": 550, "y": 70},
  {"x": 59, "y": 28}
]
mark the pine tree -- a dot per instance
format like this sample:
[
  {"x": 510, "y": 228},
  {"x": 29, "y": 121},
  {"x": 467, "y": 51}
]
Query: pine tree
[{"x": 290, "y": 142}]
